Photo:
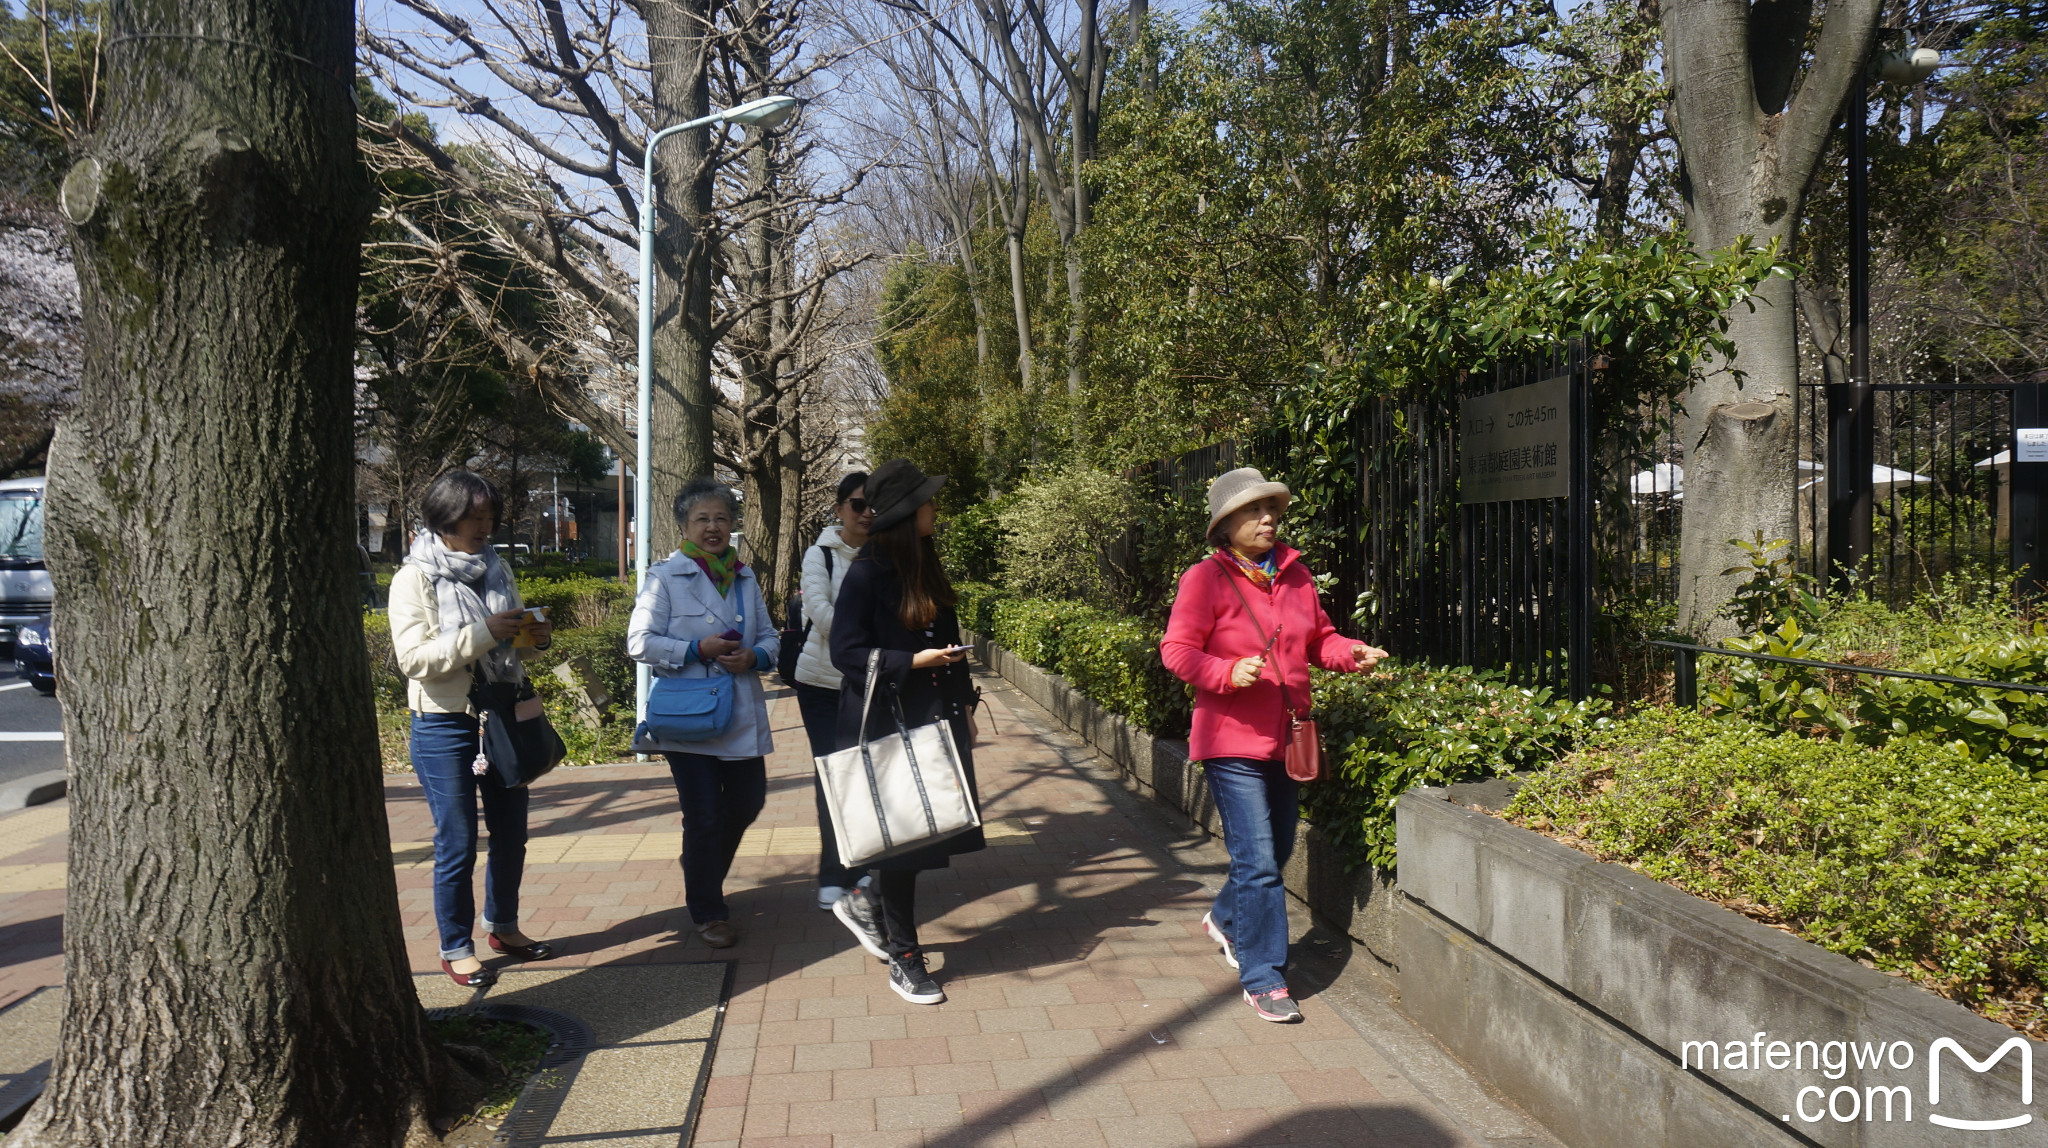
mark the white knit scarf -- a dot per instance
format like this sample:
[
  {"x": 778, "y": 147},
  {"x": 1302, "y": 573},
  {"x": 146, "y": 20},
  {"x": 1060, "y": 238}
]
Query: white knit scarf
[{"x": 451, "y": 572}]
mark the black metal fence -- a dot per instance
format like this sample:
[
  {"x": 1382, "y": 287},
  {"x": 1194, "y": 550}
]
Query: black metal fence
[
  {"x": 1941, "y": 480},
  {"x": 1410, "y": 565},
  {"x": 1557, "y": 591}
]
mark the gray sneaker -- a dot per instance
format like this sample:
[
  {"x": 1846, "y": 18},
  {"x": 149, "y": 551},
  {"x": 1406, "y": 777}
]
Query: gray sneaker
[
  {"x": 1276, "y": 1005},
  {"x": 912, "y": 981},
  {"x": 856, "y": 910}
]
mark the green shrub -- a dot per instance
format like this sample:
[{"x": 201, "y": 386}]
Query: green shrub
[
  {"x": 1911, "y": 857},
  {"x": 1115, "y": 662},
  {"x": 604, "y": 645},
  {"x": 1066, "y": 537},
  {"x": 2006, "y": 726},
  {"x": 1112, "y": 660},
  {"x": 579, "y": 601},
  {"x": 971, "y": 543},
  {"x": 1412, "y": 724},
  {"x": 976, "y": 609},
  {"x": 555, "y": 566},
  {"x": 1030, "y": 627},
  {"x": 385, "y": 679}
]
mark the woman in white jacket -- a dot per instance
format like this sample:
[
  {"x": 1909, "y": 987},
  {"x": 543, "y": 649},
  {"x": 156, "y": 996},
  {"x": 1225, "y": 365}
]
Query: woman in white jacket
[
  {"x": 455, "y": 612},
  {"x": 817, "y": 681},
  {"x": 700, "y": 614}
]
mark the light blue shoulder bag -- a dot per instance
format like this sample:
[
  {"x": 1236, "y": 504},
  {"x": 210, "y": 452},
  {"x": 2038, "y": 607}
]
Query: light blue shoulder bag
[{"x": 691, "y": 709}]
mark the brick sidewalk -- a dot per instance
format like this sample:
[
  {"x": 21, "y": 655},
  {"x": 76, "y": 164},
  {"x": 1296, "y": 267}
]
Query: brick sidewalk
[{"x": 1083, "y": 1007}]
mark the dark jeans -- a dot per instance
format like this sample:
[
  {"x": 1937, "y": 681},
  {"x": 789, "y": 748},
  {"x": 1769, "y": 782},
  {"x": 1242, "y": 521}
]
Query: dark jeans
[
  {"x": 443, "y": 745},
  {"x": 820, "y": 708},
  {"x": 895, "y": 894},
  {"x": 720, "y": 799},
  {"x": 1258, "y": 805}
]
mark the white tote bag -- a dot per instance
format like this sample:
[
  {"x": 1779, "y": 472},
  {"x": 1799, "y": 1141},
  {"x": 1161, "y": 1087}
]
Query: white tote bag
[{"x": 898, "y": 792}]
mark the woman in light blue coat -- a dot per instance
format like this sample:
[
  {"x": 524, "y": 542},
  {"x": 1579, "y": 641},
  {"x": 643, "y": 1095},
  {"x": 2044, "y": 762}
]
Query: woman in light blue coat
[{"x": 700, "y": 614}]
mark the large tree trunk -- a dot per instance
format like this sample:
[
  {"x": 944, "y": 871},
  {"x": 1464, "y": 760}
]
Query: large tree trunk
[
  {"x": 1749, "y": 143},
  {"x": 233, "y": 958},
  {"x": 1740, "y": 456},
  {"x": 678, "y": 36}
]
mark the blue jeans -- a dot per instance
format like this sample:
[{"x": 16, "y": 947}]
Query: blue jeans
[
  {"x": 720, "y": 799},
  {"x": 1258, "y": 805},
  {"x": 443, "y": 745},
  {"x": 820, "y": 707}
]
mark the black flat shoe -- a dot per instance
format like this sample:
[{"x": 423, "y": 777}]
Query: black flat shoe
[
  {"x": 536, "y": 951},
  {"x": 482, "y": 978}
]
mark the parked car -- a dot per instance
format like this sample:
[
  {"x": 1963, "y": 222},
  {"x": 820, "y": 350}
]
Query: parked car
[
  {"x": 25, "y": 591},
  {"x": 35, "y": 656}
]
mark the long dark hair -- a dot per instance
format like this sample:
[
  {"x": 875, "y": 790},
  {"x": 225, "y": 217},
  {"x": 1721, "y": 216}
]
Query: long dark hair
[{"x": 926, "y": 590}]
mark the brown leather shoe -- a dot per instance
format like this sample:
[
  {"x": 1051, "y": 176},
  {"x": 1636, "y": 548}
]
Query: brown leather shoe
[{"x": 718, "y": 934}]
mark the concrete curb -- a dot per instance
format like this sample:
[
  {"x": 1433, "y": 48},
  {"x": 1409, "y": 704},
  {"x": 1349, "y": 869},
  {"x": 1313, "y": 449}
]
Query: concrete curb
[
  {"x": 1358, "y": 904},
  {"x": 35, "y": 789},
  {"x": 1585, "y": 991}
]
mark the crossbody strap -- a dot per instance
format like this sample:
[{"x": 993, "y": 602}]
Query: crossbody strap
[
  {"x": 1246, "y": 603},
  {"x": 827, "y": 552}
]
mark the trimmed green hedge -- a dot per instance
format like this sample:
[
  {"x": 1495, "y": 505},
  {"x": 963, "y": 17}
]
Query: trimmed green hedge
[
  {"x": 1111, "y": 659},
  {"x": 578, "y": 601},
  {"x": 1411, "y": 724},
  {"x": 1911, "y": 857}
]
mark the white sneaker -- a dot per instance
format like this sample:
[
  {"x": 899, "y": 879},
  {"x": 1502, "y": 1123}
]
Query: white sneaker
[
  {"x": 828, "y": 895},
  {"x": 1216, "y": 935}
]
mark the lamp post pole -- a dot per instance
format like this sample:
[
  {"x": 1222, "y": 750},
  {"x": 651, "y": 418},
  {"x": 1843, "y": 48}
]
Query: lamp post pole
[
  {"x": 765, "y": 112},
  {"x": 1851, "y": 428},
  {"x": 1852, "y": 411}
]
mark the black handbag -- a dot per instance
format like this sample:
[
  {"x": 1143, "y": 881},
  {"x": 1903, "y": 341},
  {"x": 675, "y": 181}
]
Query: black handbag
[{"x": 514, "y": 739}]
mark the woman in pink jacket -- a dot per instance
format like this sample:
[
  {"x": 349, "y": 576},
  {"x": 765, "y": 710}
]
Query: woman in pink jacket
[{"x": 1245, "y": 628}]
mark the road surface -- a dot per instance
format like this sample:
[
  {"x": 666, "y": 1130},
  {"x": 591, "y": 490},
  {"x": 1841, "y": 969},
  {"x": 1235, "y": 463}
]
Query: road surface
[{"x": 31, "y": 725}]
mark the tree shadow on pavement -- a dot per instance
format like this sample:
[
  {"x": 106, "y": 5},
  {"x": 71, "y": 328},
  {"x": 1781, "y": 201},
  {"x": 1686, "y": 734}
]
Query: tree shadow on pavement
[{"x": 31, "y": 940}]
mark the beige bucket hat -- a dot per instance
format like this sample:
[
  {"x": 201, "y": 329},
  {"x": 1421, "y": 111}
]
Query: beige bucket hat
[{"x": 1239, "y": 487}]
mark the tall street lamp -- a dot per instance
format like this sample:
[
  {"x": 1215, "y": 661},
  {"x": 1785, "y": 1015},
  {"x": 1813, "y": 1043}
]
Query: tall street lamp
[{"x": 766, "y": 112}]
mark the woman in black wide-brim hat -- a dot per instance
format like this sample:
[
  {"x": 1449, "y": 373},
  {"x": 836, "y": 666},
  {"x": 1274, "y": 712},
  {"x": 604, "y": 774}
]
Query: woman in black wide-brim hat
[{"x": 896, "y": 598}]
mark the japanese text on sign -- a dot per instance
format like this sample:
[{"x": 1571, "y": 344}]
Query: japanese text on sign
[{"x": 1516, "y": 443}]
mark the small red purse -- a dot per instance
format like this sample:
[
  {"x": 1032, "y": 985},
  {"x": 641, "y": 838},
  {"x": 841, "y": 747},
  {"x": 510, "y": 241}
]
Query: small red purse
[
  {"x": 1304, "y": 747},
  {"x": 1304, "y": 751}
]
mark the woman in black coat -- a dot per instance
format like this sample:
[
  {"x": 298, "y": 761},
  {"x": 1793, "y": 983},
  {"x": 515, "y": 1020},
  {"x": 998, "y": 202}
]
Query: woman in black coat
[{"x": 896, "y": 599}]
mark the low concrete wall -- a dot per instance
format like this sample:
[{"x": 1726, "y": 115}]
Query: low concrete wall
[
  {"x": 1576, "y": 986},
  {"x": 1358, "y": 903}
]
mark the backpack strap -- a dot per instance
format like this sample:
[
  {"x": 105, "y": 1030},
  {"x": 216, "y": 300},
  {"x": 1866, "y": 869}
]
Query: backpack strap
[{"x": 827, "y": 552}]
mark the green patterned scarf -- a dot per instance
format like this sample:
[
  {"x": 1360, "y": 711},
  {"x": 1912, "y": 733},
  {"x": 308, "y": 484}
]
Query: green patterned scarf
[{"x": 724, "y": 569}]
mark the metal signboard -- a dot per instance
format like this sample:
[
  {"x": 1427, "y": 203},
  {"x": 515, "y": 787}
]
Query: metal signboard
[
  {"x": 2033, "y": 444},
  {"x": 1516, "y": 444}
]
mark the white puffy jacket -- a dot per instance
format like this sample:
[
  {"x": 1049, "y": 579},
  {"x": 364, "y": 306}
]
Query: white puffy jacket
[{"x": 821, "y": 591}]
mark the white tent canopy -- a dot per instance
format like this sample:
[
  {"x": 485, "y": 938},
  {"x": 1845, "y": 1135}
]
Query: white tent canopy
[
  {"x": 1663, "y": 478},
  {"x": 1884, "y": 480}
]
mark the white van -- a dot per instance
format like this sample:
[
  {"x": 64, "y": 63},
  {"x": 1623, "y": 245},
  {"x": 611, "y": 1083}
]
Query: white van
[{"x": 25, "y": 590}]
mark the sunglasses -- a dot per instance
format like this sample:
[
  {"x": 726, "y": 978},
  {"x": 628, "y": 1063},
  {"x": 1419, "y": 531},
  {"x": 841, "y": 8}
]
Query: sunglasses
[{"x": 860, "y": 505}]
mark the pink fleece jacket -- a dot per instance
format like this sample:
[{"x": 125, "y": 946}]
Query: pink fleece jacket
[{"x": 1209, "y": 631}]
